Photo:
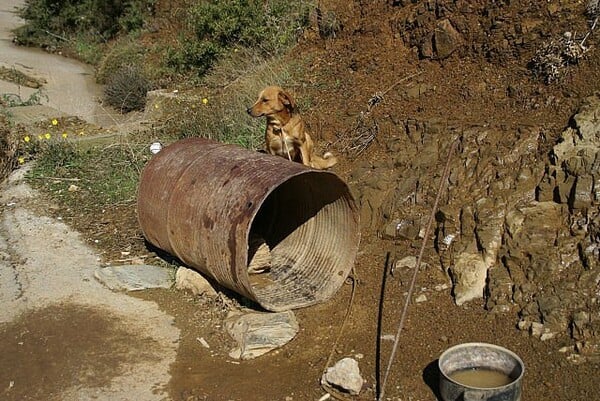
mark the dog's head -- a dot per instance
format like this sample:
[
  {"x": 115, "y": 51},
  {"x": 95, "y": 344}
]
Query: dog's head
[{"x": 271, "y": 101}]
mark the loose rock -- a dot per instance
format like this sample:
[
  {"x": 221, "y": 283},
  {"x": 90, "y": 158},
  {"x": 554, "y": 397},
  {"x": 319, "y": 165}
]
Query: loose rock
[
  {"x": 134, "y": 277},
  {"x": 190, "y": 280},
  {"x": 345, "y": 376},
  {"x": 258, "y": 333}
]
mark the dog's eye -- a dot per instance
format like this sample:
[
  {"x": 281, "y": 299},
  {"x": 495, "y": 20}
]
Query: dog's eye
[{"x": 265, "y": 100}]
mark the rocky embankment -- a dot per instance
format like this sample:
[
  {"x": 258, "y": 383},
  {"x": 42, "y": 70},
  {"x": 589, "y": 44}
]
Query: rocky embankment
[{"x": 519, "y": 226}]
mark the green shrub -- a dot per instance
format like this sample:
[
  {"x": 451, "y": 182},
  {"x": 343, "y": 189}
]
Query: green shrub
[
  {"x": 57, "y": 23},
  {"x": 126, "y": 89},
  {"x": 122, "y": 53},
  {"x": 216, "y": 26}
]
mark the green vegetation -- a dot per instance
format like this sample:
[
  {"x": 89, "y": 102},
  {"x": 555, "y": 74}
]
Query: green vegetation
[
  {"x": 8, "y": 147},
  {"x": 216, "y": 26},
  {"x": 208, "y": 30},
  {"x": 219, "y": 53},
  {"x": 72, "y": 24},
  {"x": 101, "y": 175},
  {"x": 218, "y": 110},
  {"x": 14, "y": 100},
  {"x": 126, "y": 90},
  {"x": 122, "y": 52}
]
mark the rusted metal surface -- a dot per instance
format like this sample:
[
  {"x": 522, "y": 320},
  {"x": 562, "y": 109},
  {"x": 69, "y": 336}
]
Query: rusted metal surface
[{"x": 202, "y": 200}]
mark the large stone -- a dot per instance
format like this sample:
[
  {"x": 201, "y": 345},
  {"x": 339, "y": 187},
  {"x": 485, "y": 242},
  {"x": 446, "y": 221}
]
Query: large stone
[
  {"x": 134, "y": 277},
  {"x": 190, "y": 280},
  {"x": 258, "y": 333},
  {"x": 446, "y": 39},
  {"x": 345, "y": 376},
  {"x": 583, "y": 194},
  {"x": 576, "y": 159},
  {"x": 468, "y": 274}
]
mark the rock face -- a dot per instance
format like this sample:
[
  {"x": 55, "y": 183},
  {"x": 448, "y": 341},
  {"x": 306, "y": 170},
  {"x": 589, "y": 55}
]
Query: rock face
[
  {"x": 498, "y": 33},
  {"x": 547, "y": 255},
  {"x": 518, "y": 226}
]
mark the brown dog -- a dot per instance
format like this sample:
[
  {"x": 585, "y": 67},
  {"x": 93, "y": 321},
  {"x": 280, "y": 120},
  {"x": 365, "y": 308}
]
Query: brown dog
[{"x": 286, "y": 135}]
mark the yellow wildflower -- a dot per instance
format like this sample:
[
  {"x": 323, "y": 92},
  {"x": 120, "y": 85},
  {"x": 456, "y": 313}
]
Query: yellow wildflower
[
  {"x": 40, "y": 137},
  {"x": 54, "y": 121},
  {"x": 21, "y": 160},
  {"x": 64, "y": 135},
  {"x": 27, "y": 138},
  {"x": 205, "y": 101},
  {"x": 47, "y": 136},
  {"x": 156, "y": 106}
]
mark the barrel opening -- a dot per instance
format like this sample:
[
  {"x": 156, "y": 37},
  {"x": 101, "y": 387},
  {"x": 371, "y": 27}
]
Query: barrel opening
[{"x": 305, "y": 223}]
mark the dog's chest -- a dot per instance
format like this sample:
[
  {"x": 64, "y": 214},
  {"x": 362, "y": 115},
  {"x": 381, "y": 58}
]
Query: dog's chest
[{"x": 281, "y": 142}]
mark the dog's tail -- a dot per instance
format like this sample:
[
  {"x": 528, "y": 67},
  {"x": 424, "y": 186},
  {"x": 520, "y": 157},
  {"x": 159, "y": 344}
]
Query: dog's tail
[{"x": 328, "y": 160}]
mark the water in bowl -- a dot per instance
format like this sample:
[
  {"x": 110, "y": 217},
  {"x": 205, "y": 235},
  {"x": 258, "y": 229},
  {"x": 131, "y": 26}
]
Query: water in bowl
[{"x": 481, "y": 378}]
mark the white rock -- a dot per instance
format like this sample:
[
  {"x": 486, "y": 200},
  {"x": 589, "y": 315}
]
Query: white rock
[
  {"x": 537, "y": 329},
  {"x": 258, "y": 333},
  {"x": 524, "y": 325},
  {"x": 421, "y": 298},
  {"x": 155, "y": 147},
  {"x": 469, "y": 274},
  {"x": 344, "y": 375},
  {"x": 190, "y": 280},
  {"x": 406, "y": 262},
  {"x": 547, "y": 335},
  {"x": 133, "y": 277}
]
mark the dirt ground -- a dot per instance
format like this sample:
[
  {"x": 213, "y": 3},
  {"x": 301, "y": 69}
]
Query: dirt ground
[
  {"x": 403, "y": 55},
  {"x": 383, "y": 48}
]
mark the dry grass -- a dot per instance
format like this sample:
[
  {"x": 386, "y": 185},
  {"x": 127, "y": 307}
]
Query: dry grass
[
  {"x": 9, "y": 144},
  {"x": 217, "y": 109}
]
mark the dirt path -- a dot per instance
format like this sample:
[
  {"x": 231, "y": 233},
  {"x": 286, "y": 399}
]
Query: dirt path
[
  {"x": 69, "y": 85},
  {"x": 65, "y": 336}
]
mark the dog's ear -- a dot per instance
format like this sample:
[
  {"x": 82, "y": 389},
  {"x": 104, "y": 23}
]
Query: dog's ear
[{"x": 287, "y": 100}]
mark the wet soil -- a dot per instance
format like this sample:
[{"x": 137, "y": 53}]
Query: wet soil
[
  {"x": 386, "y": 51},
  {"x": 51, "y": 349}
]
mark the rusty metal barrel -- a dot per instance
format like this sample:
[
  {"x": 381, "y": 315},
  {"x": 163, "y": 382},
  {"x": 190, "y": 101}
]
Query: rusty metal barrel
[{"x": 204, "y": 201}]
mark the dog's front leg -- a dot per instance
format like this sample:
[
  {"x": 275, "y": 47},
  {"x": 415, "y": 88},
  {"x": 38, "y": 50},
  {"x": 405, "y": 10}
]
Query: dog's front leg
[
  {"x": 270, "y": 140},
  {"x": 305, "y": 154}
]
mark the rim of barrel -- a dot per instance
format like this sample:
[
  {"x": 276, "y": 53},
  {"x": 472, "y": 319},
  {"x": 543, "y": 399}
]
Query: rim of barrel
[{"x": 351, "y": 210}]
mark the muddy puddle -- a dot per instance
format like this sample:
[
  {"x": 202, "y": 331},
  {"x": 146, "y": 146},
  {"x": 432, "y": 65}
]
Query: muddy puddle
[{"x": 50, "y": 350}]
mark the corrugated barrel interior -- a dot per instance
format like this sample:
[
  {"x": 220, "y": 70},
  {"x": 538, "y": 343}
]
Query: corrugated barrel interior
[{"x": 222, "y": 209}]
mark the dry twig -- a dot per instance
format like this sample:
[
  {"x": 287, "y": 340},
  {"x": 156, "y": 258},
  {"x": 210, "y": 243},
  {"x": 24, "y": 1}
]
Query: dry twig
[{"x": 364, "y": 131}]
